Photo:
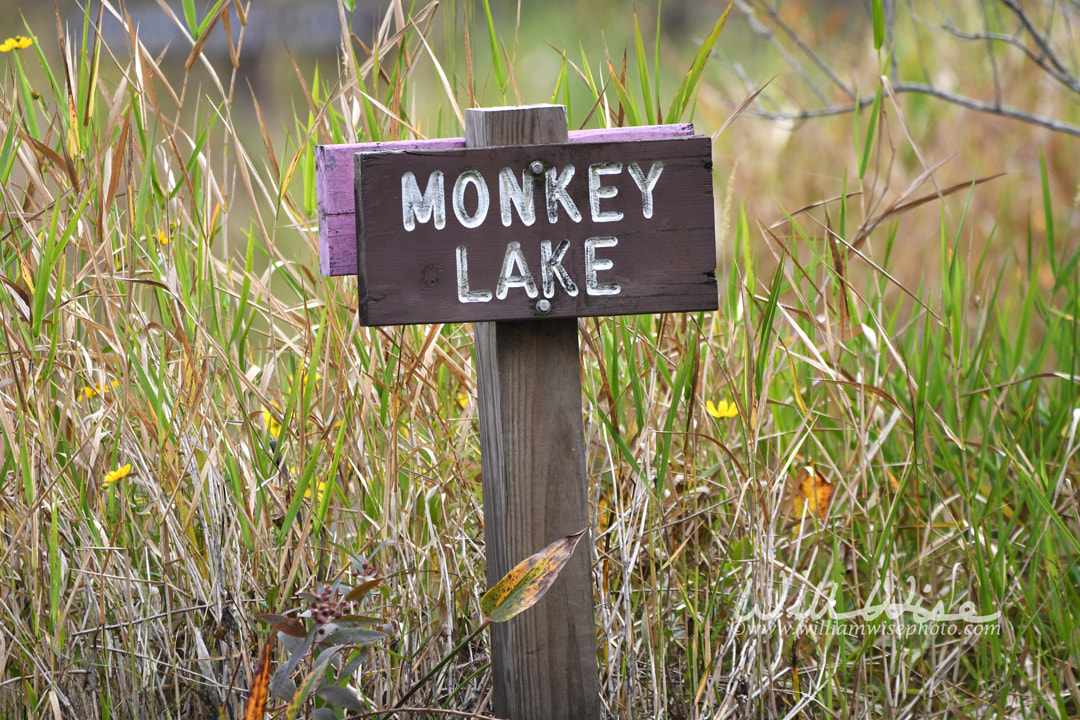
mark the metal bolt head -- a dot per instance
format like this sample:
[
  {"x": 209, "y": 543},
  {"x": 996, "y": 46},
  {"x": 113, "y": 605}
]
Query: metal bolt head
[
  {"x": 543, "y": 306},
  {"x": 536, "y": 167}
]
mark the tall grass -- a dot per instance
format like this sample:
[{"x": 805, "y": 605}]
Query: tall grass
[{"x": 196, "y": 430}]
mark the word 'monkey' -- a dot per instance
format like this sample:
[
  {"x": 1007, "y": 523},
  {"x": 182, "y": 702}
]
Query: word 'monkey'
[{"x": 430, "y": 205}]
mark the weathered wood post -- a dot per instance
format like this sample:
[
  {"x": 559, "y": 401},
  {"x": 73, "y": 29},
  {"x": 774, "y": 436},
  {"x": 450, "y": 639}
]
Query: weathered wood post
[
  {"x": 521, "y": 228},
  {"x": 532, "y": 455}
]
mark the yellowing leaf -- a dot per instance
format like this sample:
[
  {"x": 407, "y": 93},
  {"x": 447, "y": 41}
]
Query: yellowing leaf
[
  {"x": 308, "y": 685},
  {"x": 526, "y": 583},
  {"x": 813, "y": 491},
  {"x": 260, "y": 684}
]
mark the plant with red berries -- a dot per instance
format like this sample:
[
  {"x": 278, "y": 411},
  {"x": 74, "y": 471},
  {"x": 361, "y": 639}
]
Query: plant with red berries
[{"x": 327, "y": 642}]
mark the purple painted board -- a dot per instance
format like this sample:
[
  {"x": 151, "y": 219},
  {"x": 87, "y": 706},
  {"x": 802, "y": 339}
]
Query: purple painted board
[
  {"x": 535, "y": 231},
  {"x": 334, "y": 184}
]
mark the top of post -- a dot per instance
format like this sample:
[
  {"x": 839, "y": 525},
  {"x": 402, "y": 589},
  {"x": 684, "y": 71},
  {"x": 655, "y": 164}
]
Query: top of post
[{"x": 518, "y": 125}]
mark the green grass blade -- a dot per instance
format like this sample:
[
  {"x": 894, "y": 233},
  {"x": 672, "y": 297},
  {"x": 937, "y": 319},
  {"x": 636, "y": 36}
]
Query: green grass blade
[
  {"x": 688, "y": 89},
  {"x": 496, "y": 54},
  {"x": 191, "y": 18},
  {"x": 643, "y": 73},
  {"x": 877, "y": 10},
  {"x": 868, "y": 144}
]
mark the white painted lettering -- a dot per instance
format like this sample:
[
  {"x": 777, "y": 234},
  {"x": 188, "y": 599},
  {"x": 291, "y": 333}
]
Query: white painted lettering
[
  {"x": 555, "y": 190},
  {"x": 597, "y": 191},
  {"x": 464, "y": 294},
  {"x": 416, "y": 207},
  {"x": 646, "y": 184},
  {"x": 524, "y": 279},
  {"x": 551, "y": 267},
  {"x": 483, "y": 200},
  {"x": 521, "y": 197},
  {"x": 594, "y": 264}
]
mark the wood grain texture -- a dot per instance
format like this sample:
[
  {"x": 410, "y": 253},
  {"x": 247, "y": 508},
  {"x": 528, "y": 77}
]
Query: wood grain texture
[
  {"x": 662, "y": 263},
  {"x": 334, "y": 184},
  {"x": 532, "y": 444}
]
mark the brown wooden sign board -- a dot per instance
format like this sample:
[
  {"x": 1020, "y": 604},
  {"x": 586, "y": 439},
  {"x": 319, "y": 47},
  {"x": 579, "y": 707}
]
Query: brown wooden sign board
[{"x": 537, "y": 231}]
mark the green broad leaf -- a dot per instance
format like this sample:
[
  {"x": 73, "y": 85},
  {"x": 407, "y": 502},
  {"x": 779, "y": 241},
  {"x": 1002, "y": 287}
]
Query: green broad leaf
[
  {"x": 357, "y": 593},
  {"x": 311, "y": 681},
  {"x": 340, "y": 697},
  {"x": 353, "y": 636},
  {"x": 529, "y": 580},
  {"x": 350, "y": 5},
  {"x": 284, "y": 623}
]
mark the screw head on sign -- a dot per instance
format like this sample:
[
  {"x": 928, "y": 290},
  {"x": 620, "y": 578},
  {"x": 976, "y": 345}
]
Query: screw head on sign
[
  {"x": 543, "y": 306},
  {"x": 536, "y": 167}
]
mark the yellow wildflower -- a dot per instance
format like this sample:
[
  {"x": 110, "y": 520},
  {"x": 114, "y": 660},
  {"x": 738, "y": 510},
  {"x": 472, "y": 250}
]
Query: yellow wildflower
[
  {"x": 319, "y": 491},
  {"x": 117, "y": 474},
  {"x": 304, "y": 377},
  {"x": 812, "y": 491},
  {"x": 462, "y": 400},
  {"x": 88, "y": 392},
  {"x": 723, "y": 410},
  {"x": 16, "y": 43},
  {"x": 162, "y": 237},
  {"x": 270, "y": 422}
]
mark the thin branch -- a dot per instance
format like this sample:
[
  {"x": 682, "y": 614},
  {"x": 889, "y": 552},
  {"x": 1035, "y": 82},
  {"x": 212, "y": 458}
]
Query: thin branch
[
  {"x": 1040, "y": 40},
  {"x": 814, "y": 57},
  {"x": 760, "y": 28},
  {"x": 991, "y": 108},
  {"x": 909, "y": 87},
  {"x": 1057, "y": 72}
]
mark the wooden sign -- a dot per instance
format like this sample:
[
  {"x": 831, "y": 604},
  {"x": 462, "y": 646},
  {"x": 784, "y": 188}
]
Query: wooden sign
[
  {"x": 538, "y": 231},
  {"x": 523, "y": 220},
  {"x": 335, "y": 182}
]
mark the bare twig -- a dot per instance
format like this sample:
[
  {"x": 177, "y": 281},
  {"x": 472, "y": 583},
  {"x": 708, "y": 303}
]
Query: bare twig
[{"x": 926, "y": 89}]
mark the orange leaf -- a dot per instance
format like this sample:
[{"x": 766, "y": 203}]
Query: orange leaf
[
  {"x": 813, "y": 491},
  {"x": 260, "y": 685},
  {"x": 526, "y": 583}
]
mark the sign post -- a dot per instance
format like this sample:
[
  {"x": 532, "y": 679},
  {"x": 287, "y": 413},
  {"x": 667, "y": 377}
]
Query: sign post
[
  {"x": 522, "y": 228},
  {"x": 532, "y": 457}
]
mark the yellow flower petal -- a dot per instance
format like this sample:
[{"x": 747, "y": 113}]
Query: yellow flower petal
[
  {"x": 16, "y": 43},
  {"x": 320, "y": 491},
  {"x": 814, "y": 492},
  {"x": 162, "y": 237},
  {"x": 117, "y": 474},
  {"x": 87, "y": 392},
  {"x": 722, "y": 410},
  {"x": 270, "y": 423}
]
